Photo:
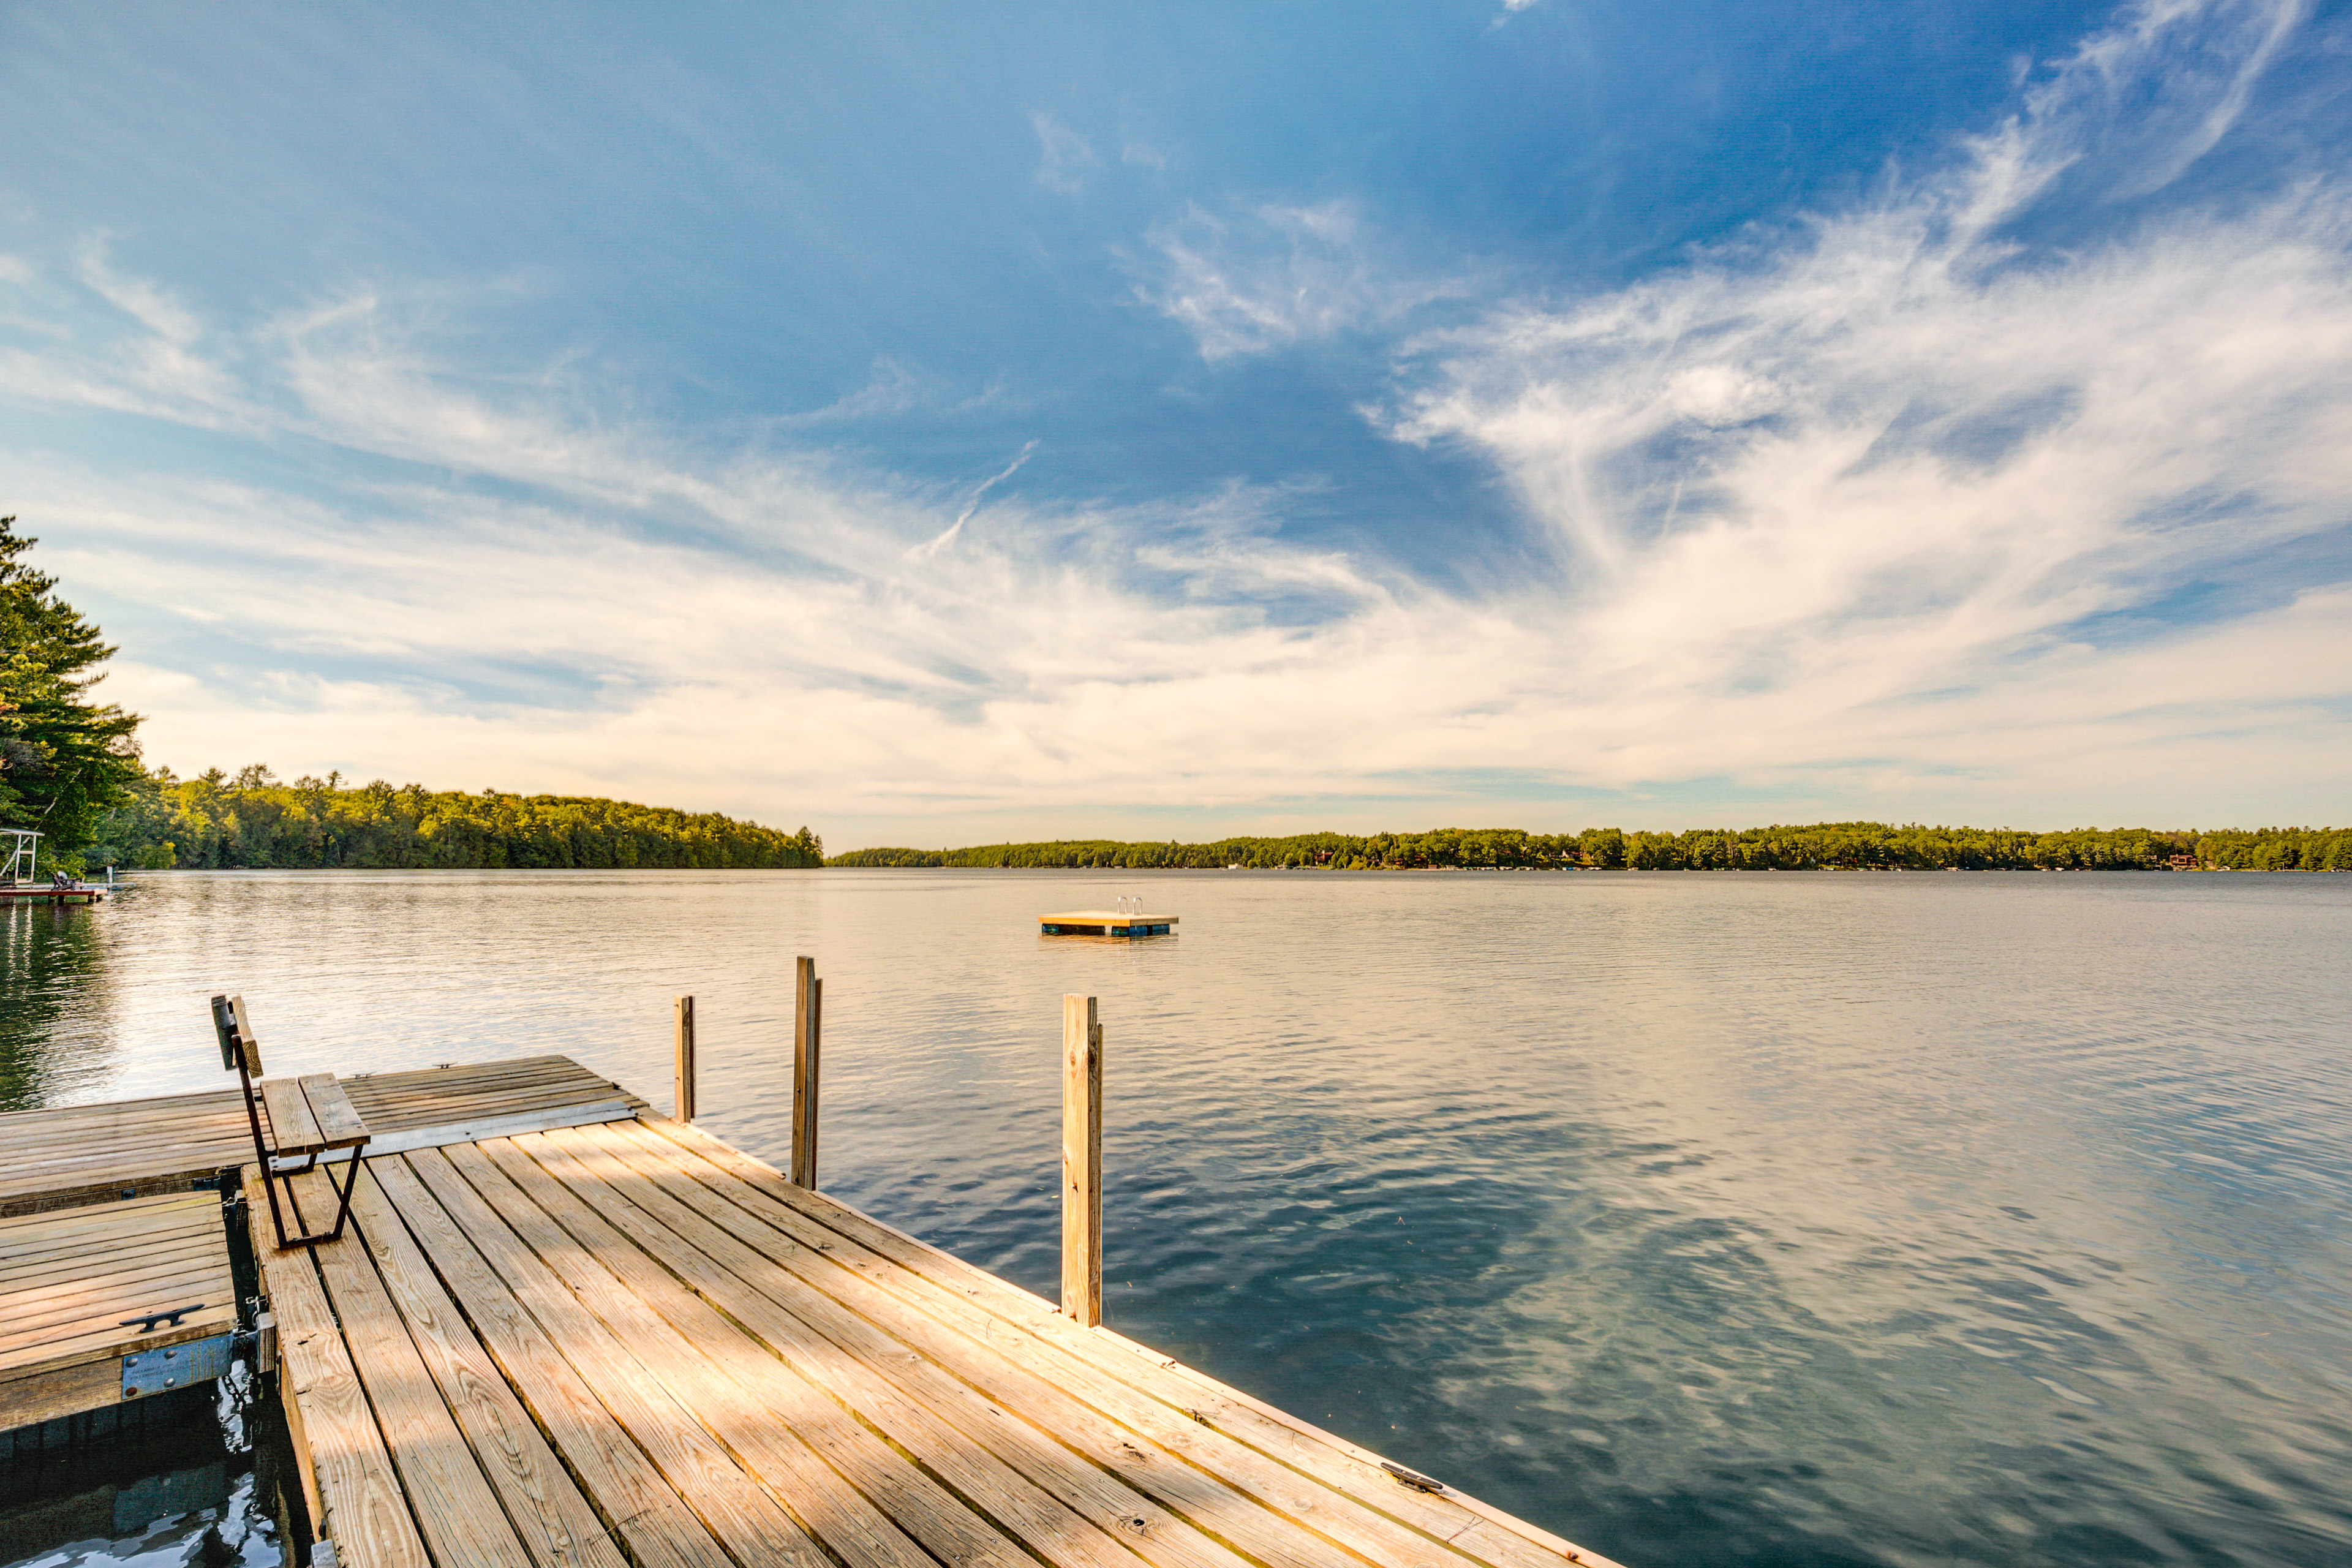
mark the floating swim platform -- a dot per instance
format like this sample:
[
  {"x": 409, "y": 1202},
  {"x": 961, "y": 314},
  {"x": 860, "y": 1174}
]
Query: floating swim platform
[{"x": 1105, "y": 922}]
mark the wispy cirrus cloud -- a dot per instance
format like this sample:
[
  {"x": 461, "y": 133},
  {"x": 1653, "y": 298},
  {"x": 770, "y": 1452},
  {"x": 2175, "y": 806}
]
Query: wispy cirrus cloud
[
  {"x": 933, "y": 546},
  {"x": 1065, "y": 157},
  {"x": 1893, "y": 460},
  {"x": 1276, "y": 275}
]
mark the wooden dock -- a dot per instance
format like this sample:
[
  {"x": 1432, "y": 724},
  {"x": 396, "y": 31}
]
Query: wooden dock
[
  {"x": 631, "y": 1342},
  {"x": 36, "y": 895},
  {"x": 113, "y": 1213},
  {"x": 611, "y": 1340}
]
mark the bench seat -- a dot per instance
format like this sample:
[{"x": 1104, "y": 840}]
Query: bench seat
[{"x": 311, "y": 1115}]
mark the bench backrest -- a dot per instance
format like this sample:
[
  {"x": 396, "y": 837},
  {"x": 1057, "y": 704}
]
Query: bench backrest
[{"x": 237, "y": 1045}]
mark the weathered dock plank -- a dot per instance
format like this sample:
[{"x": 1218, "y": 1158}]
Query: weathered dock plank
[
  {"x": 932, "y": 1280},
  {"x": 793, "y": 1433},
  {"x": 646, "y": 1399},
  {"x": 550, "y": 1516},
  {"x": 1221, "y": 1486},
  {"x": 836, "y": 1336},
  {"x": 457, "y": 1513},
  {"x": 838, "y": 1380}
]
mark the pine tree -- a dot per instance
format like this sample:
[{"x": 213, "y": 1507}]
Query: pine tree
[{"x": 65, "y": 761}]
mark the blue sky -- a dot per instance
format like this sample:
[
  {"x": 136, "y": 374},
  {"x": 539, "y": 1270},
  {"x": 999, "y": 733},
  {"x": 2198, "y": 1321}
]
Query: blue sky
[{"x": 940, "y": 424}]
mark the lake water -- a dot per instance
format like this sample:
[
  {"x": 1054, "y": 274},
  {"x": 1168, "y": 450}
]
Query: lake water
[{"x": 1705, "y": 1220}]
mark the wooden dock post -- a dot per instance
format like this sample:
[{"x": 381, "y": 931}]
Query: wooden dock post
[
  {"x": 1081, "y": 1161},
  {"x": 685, "y": 1102},
  {"x": 808, "y": 1032}
]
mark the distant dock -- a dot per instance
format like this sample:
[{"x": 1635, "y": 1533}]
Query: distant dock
[
  {"x": 20, "y": 868},
  {"x": 1105, "y": 922},
  {"x": 43, "y": 893},
  {"x": 560, "y": 1329}
]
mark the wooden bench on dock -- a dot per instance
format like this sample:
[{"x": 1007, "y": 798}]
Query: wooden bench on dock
[
  {"x": 309, "y": 1116},
  {"x": 112, "y": 1302}
]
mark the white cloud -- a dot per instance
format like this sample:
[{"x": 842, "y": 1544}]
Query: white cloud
[
  {"x": 1830, "y": 524},
  {"x": 941, "y": 542},
  {"x": 1065, "y": 157},
  {"x": 1801, "y": 496},
  {"x": 1275, "y": 276}
]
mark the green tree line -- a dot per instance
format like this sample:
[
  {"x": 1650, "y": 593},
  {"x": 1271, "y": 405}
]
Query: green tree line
[
  {"x": 217, "y": 821},
  {"x": 1838, "y": 845}
]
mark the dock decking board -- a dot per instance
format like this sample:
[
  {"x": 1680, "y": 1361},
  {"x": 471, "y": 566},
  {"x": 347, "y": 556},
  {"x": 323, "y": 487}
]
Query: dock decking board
[
  {"x": 837, "y": 1387},
  {"x": 459, "y": 1514},
  {"x": 621, "y": 1478},
  {"x": 1264, "y": 1510},
  {"x": 701, "y": 1473},
  {"x": 829, "y": 1474},
  {"x": 551, "y": 1519},
  {"x": 354, "y": 1492},
  {"x": 1021, "y": 1418}
]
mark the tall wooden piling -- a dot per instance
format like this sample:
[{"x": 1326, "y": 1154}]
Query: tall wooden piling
[
  {"x": 808, "y": 1034},
  {"x": 1081, "y": 1161},
  {"x": 685, "y": 1102}
]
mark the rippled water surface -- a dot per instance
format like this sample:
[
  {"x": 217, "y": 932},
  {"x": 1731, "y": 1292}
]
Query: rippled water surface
[{"x": 1704, "y": 1219}]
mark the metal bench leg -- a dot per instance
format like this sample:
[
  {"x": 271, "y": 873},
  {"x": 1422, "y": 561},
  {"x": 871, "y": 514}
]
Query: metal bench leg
[
  {"x": 268, "y": 1161},
  {"x": 343, "y": 1207},
  {"x": 274, "y": 1178},
  {"x": 342, "y": 1202},
  {"x": 271, "y": 1176}
]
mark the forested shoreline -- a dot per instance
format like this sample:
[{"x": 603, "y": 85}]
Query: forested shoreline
[
  {"x": 250, "y": 820},
  {"x": 1827, "y": 845}
]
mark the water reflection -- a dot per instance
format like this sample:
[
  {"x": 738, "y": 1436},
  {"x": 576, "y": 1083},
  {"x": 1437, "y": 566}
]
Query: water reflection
[
  {"x": 1766, "y": 1219},
  {"x": 54, "y": 1046},
  {"x": 201, "y": 1480}
]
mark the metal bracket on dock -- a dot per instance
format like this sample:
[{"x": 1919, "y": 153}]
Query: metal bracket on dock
[
  {"x": 174, "y": 1367},
  {"x": 261, "y": 1339}
]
